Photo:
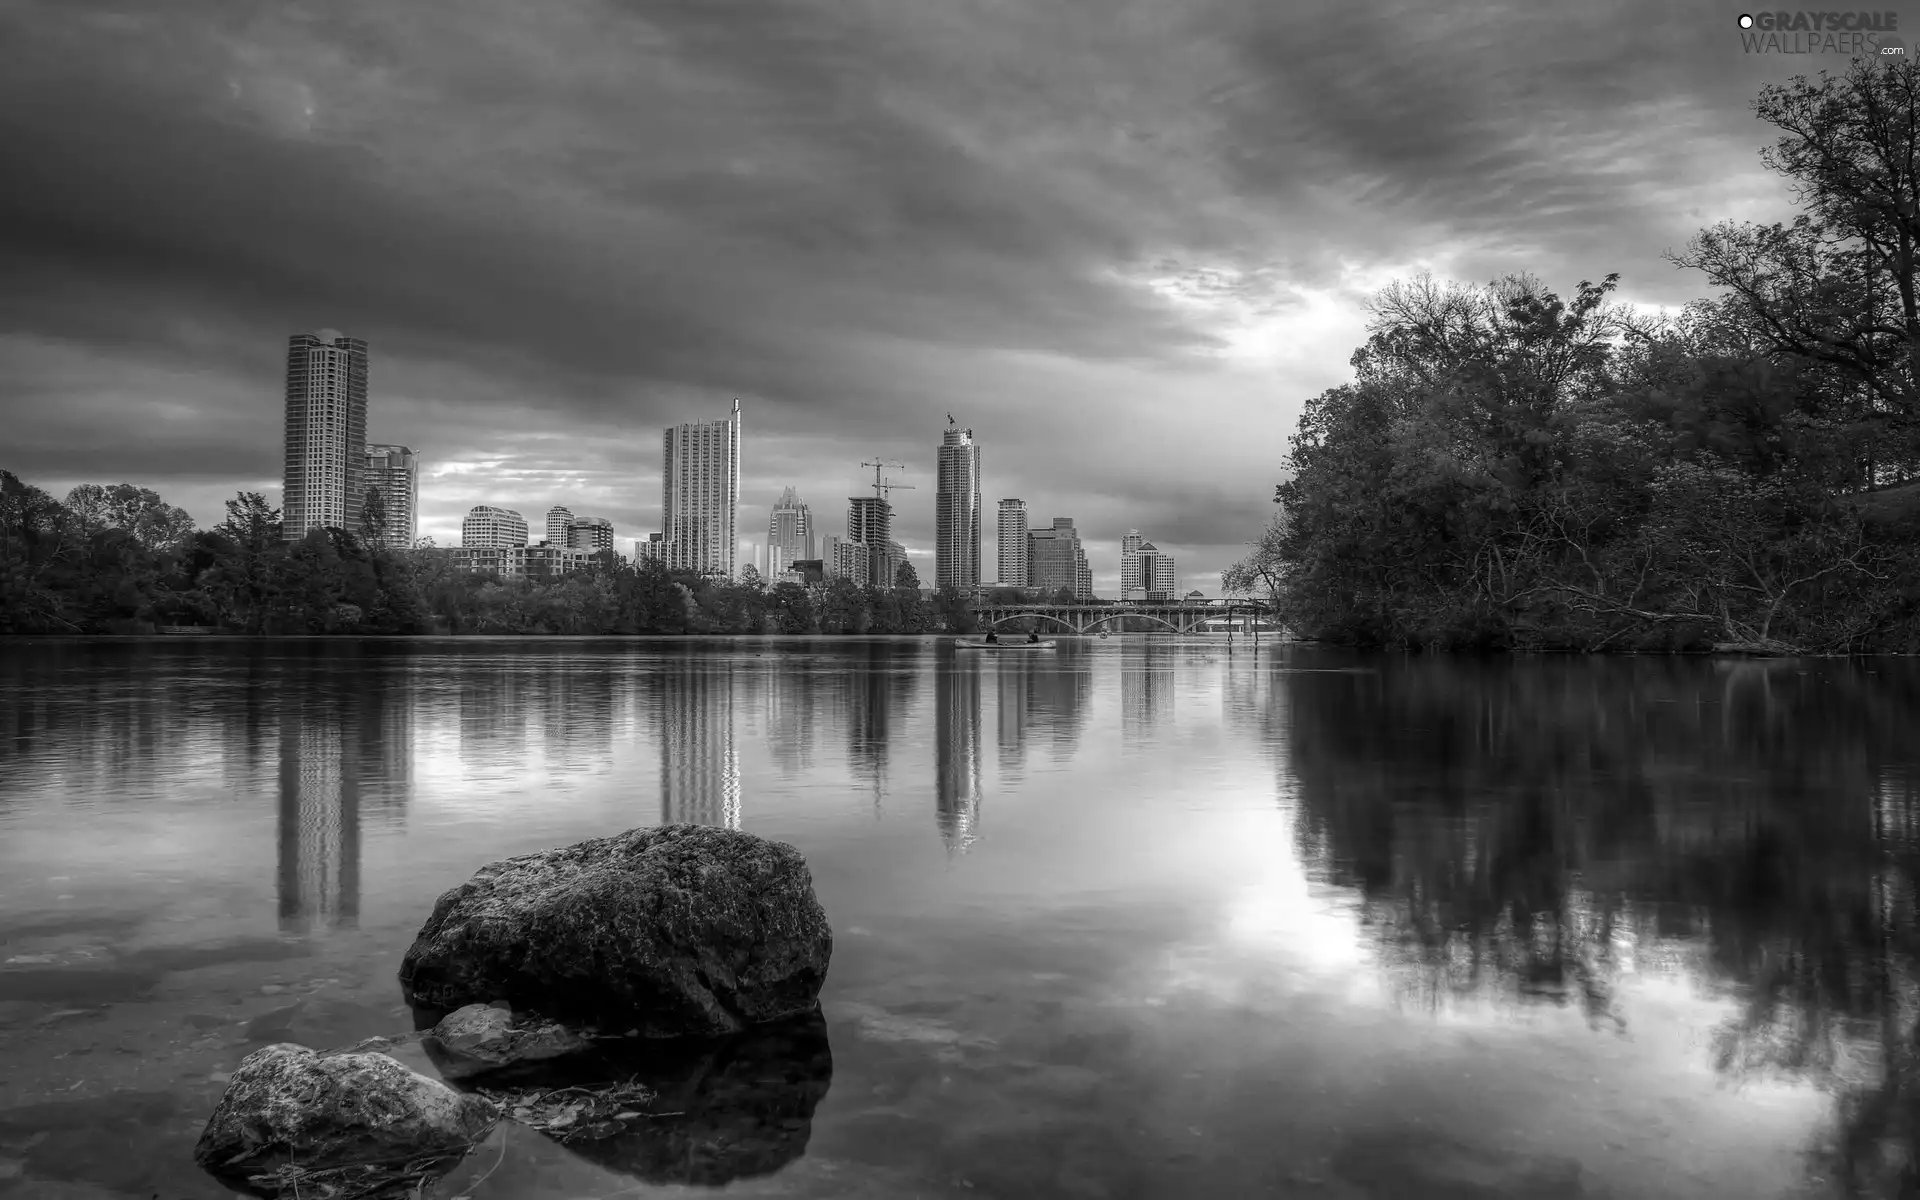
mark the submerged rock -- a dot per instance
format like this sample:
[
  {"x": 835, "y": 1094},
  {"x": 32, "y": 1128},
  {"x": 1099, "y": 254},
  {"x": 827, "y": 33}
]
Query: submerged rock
[
  {"x": 484, "y": 1039},
  {"x": 676, "y": 930},
  {"x": 288, "y": 1104},
  {"x": 704, "y": 1112}
]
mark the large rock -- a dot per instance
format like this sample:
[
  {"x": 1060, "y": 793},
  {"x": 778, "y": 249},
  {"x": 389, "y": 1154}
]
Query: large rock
[
  {"x": 675, "y": 930},
  {"x": 287, "y": 1103}
]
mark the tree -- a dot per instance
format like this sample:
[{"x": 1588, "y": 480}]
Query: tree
[
  {"x": 373, "y": 517},
  {"x": 254, "y": 529},
  {"x": 140, "y": 511},
  {"x": 1263, "y": 570},
  {"x": 1836, "y": 287},
  {"x": 37, "y": 533},
  {"x": 906, "y": 577},
  {"x": 1065, "y": 595}
]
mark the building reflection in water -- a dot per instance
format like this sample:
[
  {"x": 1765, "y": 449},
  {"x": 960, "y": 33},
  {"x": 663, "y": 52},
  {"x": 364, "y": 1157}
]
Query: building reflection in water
[
  {"x": 1039, "y": 696},
  {"x": 493, "y": 718},
  {"x": 346, "y": 763},
  {"x": 574, "y": 700},
  {"x": 882, "y": 686},
  {"x": 956, "y": 752},
  {"x": 790, "y": 719},
  {"x": 1146, "y": 690},
  {"x": 699, "y": 760},
  {"x": 1012, "y": 678}
]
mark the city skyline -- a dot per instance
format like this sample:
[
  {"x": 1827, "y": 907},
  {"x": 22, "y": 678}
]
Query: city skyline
[{"x": 1155, "y": 254}]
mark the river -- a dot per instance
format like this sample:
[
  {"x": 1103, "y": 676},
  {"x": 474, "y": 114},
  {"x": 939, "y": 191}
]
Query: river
[{"x": 1140, "y": 917}]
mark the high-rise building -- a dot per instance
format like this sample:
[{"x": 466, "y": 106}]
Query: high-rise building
[
  {"x": 592, "y": 534},
  {"x": 846, "y": 558},
  {"x": 1146, "y": 572},
  {"x": 1056, "y": 560},
  {"x": 1158, "y": 582},
  {"x": 326, "y": 433},
  {"x": 956, "y": 519},
  {"x": 490, "y": 528},
  {"x": 789, "y": 532},
  {"x": 1012, "y": 547},
  {"x": 395, "y": 471},
  {"x": 1130, "y": 565},
  {"x": 700, "y": 495},
  {"x": 870, "y": 522},
  {"x": 493, "y": 539},
  {"x": 559, "y": 522}
]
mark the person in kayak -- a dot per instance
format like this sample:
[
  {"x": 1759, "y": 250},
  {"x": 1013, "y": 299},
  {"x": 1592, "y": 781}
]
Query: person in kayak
[
  {"x": 992, "y": 638},
  {"x": 1033, "y": 636}
]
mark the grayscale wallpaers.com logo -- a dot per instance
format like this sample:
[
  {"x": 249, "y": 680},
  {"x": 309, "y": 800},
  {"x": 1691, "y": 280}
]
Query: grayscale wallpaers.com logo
[{"x": 1850, "y": 33}]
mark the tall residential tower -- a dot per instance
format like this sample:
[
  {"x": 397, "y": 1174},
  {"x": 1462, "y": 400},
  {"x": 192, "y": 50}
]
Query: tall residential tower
[
  {"x": 326, "y": 442},
  {"x": 1012, "y": 547},
  {"x": 395, "y": 471},
  {"x": 700, "y": 496},
  {"x": 956, "y": 552}
]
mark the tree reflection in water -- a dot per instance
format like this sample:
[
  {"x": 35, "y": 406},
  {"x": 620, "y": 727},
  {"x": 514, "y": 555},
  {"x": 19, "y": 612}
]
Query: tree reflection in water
[{"x": 1533, "y": 830}]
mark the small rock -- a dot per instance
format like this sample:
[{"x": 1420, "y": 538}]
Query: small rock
[
  {"x": 206, "y": 1020},
  {"x": 481, "y": 1038},
  {"x": 219, "y": 1076},
  {"x": 12, "y": 1168},
  {"x": 332, "y": 1110},
  {"x": 272, "y": 989}
]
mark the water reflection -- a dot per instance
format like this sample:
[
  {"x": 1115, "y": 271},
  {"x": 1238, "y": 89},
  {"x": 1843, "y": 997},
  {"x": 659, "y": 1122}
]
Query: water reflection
[
  {"x": 1596, "y": 893},
  {"x": 880, "y": 693},
  {"x": 319, "y": 876},
  {"x": 699, "y": 760},
  {"x": 1146, "y": 690},
  {"x": 1544, "y": 831},
  {"x": 956, "y": 752}
]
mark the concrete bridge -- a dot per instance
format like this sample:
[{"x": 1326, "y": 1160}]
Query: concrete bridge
[{"x": 1090, "y": 618}]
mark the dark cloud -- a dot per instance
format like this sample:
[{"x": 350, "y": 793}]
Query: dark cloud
[{"x": 1123, "y": 241}]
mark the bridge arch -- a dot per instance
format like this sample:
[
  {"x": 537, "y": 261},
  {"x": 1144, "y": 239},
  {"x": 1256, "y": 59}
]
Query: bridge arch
[
  {"x": 1065, "y": 624},
  {"x": 1097, "y": 622}
]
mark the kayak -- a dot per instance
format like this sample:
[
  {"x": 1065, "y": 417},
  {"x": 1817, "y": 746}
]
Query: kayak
[{"x": 971, "y": 644}]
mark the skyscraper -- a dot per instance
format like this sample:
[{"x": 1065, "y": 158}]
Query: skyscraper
[
  {"x": 395, "y": 471},
  {"x": 490, "y": 528},
  {"x": 1012, "y": 549},
  {"x": 1130, "y": 565},
  {"x": 789, "y": 532},
  {"x": 1056, "y": 560},
  {"x": 592, "y": 534},
  {"x": 1146, "y": 572},
  {"x": 870, "y": 522},
  {"x": 956, "y": 547},
  {"x": 559, "y": 522},
  {"x": 700, "y": 495},
  {"x": 326, "y": 434},
  {"x": 1158, "y": 582}
]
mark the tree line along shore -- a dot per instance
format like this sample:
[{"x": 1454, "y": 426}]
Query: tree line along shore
[{"x": 1513, "y": 469}]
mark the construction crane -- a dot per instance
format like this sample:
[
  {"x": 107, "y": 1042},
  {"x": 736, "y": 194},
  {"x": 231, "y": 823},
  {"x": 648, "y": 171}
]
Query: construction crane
[{"x": 880, "y": 489}]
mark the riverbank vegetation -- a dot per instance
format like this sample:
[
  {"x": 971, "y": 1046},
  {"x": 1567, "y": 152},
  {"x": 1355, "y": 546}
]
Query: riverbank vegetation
[
  {"x": 1514, "y": 469},
  {"x": 121, "y": 560}
]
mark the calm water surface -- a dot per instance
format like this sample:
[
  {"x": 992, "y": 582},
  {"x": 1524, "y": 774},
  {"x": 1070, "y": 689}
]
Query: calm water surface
[{"x": 1139, "y": 918}]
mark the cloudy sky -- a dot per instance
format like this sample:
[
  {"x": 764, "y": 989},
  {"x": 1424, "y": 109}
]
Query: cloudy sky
[{"x": 1122, "y": 241}]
